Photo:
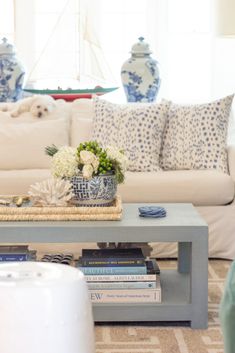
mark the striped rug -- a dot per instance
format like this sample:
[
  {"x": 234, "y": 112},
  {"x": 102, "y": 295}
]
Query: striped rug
[{"x": 153, "y": 338}]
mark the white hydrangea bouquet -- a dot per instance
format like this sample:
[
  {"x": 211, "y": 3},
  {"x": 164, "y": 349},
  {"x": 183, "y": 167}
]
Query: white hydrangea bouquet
[{"x": 88, "y": 160}]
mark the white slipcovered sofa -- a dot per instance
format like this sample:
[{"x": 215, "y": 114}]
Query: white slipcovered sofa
[{"x": 22, "y": 163}]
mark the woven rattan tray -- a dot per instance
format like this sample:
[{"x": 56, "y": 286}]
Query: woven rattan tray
[{"x": 111, "y": 213}]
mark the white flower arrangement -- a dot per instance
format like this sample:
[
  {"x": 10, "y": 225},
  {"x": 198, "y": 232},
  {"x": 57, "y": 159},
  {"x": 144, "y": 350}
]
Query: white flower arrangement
[{"x": 88, "y": 160}]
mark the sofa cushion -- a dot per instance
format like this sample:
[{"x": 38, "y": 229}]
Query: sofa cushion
[
  {"x": 195, "y": 136},
  {"x": 82, "y": 113},
  {"x": 200, "y": 187},
  {"x": 17, "y": 182},
  {"x": 135, "y": 128},
  {"x": 80, "y": 130},
  {"x": 23, "y": 145},
  {"x": 82, "y": 108}
]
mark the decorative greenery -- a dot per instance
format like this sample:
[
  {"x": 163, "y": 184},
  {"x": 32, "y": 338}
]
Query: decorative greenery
[
  {"x": 88, "y": 159},
  {"x": 51, "y": 150}
]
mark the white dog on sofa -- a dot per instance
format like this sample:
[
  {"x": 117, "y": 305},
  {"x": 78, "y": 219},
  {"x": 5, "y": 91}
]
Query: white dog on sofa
[{"x": 39, "y": 106}]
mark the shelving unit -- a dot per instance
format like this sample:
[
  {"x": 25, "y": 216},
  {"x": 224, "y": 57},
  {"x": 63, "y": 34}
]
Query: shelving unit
[
  {"x": 175, "y": 305},
  {"x": 184, "y": 291}
]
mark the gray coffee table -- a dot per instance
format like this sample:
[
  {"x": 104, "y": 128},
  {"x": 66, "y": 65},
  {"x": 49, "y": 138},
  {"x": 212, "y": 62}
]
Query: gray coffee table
[{"x": 184, "y": 291}]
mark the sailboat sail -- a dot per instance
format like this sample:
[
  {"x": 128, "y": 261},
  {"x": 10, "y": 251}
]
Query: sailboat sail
[
  {"x": 72, "y": 50},
  {"x": 93, "y": 62}
]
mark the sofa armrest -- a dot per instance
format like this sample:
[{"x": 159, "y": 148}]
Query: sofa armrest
[{"x": 231, "y": 161}]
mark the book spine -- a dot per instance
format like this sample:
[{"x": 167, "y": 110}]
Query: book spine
[
  {"x": 6, "y": 249},
  {"x": 120, "y": 278},
  {"x": 126, "y": 296},
  {"x": 113, "y": 262},
  {"x": 138, "y": 270},
  {"x": 14, "y": 257},
  {"x": 121, "y": 285}
]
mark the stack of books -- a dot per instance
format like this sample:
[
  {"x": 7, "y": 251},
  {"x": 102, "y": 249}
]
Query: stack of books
[
  {"x": 16, "y": 253},
  {"x": 120, "y": 275}
]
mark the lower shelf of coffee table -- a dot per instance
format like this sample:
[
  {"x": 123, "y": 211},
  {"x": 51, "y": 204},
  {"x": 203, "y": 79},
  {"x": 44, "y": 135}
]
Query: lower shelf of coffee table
[{"x": 175, "y": 305}]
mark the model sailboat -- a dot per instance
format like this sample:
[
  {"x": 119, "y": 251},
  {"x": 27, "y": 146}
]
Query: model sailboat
[{"x": 87, "y": 67}]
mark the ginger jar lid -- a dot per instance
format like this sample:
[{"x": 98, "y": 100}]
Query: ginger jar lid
[
  {"x": 141, "y": 48},
  {"x": 6, "y": 48}
]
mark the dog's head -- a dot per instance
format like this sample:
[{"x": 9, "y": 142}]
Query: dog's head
[{"x": 42, "y": 106}]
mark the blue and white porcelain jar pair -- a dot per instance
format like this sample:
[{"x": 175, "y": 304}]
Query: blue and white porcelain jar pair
[
  {"x": 140, "y": 74},
  {"x": 11, "y": 73}
]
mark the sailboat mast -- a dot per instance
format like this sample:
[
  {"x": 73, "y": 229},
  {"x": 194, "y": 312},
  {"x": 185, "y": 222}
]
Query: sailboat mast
[{"x": 79, "y": 28}]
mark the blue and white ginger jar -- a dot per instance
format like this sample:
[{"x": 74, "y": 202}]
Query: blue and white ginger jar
[
  {"x": 140, "y": 74},
  {"x": 11, "y": 73}
]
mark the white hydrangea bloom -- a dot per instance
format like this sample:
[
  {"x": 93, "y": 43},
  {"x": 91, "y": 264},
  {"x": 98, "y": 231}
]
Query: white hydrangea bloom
[
  {"x": 87, "y": 171},
  {"x": 65, "y": 162},
  {"x": 114, "y": 153}
]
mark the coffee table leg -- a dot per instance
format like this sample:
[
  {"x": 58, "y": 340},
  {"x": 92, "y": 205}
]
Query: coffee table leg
[
  {"x": 199, "y": 284},
  {"x": 184, "y": 257}
]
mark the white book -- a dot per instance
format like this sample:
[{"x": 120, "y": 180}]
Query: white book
[
  {"x": 122, "y": 285},
  {"x": 121, "y": 278},
  {"x": 126, "y": 295}
]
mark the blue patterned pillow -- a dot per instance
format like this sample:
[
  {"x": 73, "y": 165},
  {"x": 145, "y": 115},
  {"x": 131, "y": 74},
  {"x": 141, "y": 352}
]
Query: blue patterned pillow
[
  {"x": 195, "y": 136},
  {"x": 136, "y": 128}
]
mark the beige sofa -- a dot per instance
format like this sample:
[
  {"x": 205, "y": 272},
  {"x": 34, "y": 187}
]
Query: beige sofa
[{"x": 210, "y": 191}]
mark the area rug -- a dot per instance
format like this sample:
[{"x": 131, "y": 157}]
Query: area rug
[{"x": 165, "y": 337}]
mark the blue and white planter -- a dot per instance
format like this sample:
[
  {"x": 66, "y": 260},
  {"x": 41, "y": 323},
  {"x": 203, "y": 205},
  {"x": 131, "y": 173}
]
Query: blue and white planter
[
  {"x": 11, "y": 74},
  {"x": 98, "y": 191},
  {"x": 140, "y": 74}
]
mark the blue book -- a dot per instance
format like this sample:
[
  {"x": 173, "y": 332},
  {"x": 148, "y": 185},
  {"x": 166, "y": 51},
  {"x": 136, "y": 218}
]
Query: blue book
[
  {"x": 117, "y": 270},
  {"x": 14, "y": 257}
]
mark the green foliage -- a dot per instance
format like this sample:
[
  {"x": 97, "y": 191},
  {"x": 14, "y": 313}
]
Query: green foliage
[
  {"x": 118, "y": 172},
  {"x": 51, "y": 150},
  {"x": 91, "y": 146}
]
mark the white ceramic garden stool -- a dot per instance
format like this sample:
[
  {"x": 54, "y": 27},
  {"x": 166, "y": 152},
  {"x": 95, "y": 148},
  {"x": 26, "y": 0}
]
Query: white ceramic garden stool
[{"x": 44, "y": 308}]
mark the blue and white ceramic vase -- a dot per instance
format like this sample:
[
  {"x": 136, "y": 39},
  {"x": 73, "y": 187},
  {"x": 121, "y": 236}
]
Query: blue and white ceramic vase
[
  {"x": 98, "y": 191},
  {"x": 11, "y": 73},
  {"x": 140, "y": 74}
]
